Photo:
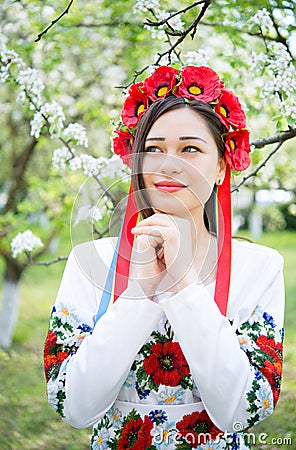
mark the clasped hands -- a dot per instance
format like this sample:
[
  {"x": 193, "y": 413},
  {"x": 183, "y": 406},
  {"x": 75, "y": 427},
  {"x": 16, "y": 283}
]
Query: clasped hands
[{"x": 163, "y": 247}]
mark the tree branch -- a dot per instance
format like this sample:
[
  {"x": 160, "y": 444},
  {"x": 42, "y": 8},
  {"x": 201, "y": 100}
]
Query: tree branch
[
  {"x": 282, "y": 137},
  {"x": 20, "y": 163},
  {"x": 46, "y": 263},
  {"x": 40, "y": 35},
  {"x": 259, "y": 167}
]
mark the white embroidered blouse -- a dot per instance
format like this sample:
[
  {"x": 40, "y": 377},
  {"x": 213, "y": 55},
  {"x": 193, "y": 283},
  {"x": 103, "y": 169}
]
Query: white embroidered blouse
[{"x": 172, "y": 373}]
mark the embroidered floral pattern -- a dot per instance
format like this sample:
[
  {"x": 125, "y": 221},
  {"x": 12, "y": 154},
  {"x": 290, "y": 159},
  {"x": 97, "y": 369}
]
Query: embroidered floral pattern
[
  {"x": 262, "y": 342},
  {"x": 162, "y": 364},
  {"x": 197, "y": 428},
  {"x": 134, "y": 434},
  {"x": 64, "y": 337}
]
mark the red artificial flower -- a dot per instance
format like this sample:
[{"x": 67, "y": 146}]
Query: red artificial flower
[
  {"x": 237, "y": 150},
  {"x": 197, "y": 428},
  {"x": 134, "y": 106},
  {"x": 161, "y": 82},
  {"x": 166, "y": 364},
  {"x": 199, "y": 83},
  {"x": 136, "y": 434},
  {"x": 123, "y": 145},
  {"x": 230, "y": 111}
]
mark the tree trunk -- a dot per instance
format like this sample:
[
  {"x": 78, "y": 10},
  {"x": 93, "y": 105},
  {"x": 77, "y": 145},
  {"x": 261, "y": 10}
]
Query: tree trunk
[{"x": 10, "y": 304}]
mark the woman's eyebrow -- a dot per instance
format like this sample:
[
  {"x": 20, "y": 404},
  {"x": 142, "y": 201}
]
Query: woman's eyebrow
[
  {"x": 156, "y": 139},
  {"x": 181, "y": 138},
  {"x": 185, "y": 138}
]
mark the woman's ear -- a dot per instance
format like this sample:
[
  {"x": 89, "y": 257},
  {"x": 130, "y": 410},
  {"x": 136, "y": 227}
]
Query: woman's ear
[{"x": 221, "y": 171}]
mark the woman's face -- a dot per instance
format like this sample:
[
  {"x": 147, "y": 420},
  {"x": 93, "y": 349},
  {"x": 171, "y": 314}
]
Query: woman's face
[{"x": 181, "y": 163}]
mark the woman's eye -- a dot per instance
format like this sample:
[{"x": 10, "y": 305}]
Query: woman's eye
[
  {"x": 152, "y": 149},
  {"x": 191, "y": 149}
]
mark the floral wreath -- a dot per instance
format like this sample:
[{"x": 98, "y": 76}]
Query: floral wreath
[{"x": 191, "y": 83}]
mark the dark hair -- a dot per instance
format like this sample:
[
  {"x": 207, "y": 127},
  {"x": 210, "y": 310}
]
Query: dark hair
[{"x": 156, "y": 110}]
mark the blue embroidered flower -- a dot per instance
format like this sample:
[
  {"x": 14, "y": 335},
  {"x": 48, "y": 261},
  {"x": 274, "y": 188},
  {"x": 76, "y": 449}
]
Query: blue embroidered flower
[
  {"x": 158, "y": 416},
  {"x": 256, "y": 315},
  {"x": 171, "y": 396},
  {"x": 269, "y": 319},
  {"x": 258, "y": 374},
  {"x": 85, "y": 328},
  {"x": 264, "y": 401},
  {"x": 130, "y": 380},
  {"x": 115, "y": 416},
  {"x": 100, "y": 441},
  {"x": 141, "y": 394}
]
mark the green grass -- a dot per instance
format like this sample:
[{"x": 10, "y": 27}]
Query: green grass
[{"x": 28, "y": 423}]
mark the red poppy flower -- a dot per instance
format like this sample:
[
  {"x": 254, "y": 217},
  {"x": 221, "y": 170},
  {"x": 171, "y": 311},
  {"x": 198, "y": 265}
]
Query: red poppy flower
[
  {"x": 197, "y": 428},
  {"x": 237, "y": 150},
  {"x": 199, "y": 83},
  {"x": 166, "y": 364},
  {"x": 134, "y": 106},
  {"x": 161, "y": 82},
  {"x": 230, "y": 111},
  {"x": 136, "y": 434},
  {"x": 269, "y": 346},
  {"x": 123, "y": 145},
  {"x": 273, "y": 375}
]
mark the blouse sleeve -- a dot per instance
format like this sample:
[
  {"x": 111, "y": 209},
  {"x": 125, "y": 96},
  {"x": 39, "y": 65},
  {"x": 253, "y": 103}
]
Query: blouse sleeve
[
  {"x": 236, "y": 364},
  {"x": 85, "y": 366}
]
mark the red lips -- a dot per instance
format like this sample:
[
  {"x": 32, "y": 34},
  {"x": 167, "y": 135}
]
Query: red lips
[{"x": 169, "y": 186}]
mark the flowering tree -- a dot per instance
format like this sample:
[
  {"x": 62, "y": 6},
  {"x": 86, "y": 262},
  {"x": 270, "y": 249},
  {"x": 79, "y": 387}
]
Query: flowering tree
[{"x": 41, "y": 176}]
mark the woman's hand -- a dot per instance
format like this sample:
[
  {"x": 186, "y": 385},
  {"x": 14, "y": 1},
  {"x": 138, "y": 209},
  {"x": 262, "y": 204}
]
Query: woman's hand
[
  {"x": 173, "y": 234},
  {"x": 147, "y": 264}
]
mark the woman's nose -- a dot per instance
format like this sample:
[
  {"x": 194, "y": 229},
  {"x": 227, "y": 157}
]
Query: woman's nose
[{"x": 170, "y": 164}]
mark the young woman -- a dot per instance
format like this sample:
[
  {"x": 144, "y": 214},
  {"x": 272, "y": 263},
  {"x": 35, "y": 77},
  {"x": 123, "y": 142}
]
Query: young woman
[{"x": 154, "y": 344}]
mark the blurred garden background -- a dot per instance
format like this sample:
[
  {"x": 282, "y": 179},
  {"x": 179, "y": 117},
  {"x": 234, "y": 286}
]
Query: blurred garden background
[{"x": 63, "y": 68}]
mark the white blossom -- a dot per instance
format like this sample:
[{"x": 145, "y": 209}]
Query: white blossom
[
  {"x": 60, "y": 157},
  {"x": 7, "y": 58},
  {"x": 75, "y": 163},
  {"x": 90, "y": 164},
  {"x": 290, "y": 111},
  {"x": 25, "y": 241},
  {"x": 176, "y": 23},
  {"x": 262, "y": 19},
  {"x": 77, "y": 132},
  {"x": 257, "y": 62},
  {"x": 115, "y": 168},
  {"x": 55, "y": 116},
  {"x": 36, "y": 124},
  {"x": 30, "y": 81},
  {"x": 198, "y": 58},
  {"x": 146, "y": 5},
  {"x": 156, "y": 32}
]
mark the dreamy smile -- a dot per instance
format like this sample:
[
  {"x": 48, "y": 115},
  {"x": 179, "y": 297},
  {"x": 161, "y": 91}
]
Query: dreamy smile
[{"x": 169, "y": 186}]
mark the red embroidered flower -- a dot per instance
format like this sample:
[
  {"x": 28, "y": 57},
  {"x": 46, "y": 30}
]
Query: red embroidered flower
[
  {"x": 136, "y": 434},
  {"x": 166, "y": 364},
  {"x": 197, "y": 428},
  {"x": 123, "y": 145},
  {"x": 269, "y": 346},
  {"x": 230, "y": 111},
  {"x": 161, "y": 82},
  {"x": 237, "y": 150},
  {"x": 272, "y": 370},
  {"x": 134, "y": 106},
  {"x": 199, "y": 83},
  {"x": 53, "y": 358}
]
